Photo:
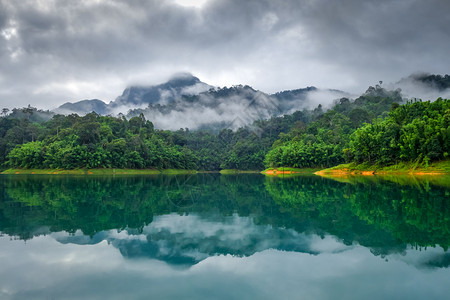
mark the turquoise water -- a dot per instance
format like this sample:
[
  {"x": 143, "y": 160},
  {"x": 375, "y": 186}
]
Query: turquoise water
[{"x": 211, "y": 236}]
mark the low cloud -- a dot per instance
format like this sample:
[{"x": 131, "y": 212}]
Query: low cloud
[
  {"x": 326, "y": 98},
  {"x": 414, "y": 88}
]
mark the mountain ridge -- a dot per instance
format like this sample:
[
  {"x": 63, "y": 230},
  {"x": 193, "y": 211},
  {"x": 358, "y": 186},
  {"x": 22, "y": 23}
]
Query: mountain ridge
[{"x": 185, "y": 101}]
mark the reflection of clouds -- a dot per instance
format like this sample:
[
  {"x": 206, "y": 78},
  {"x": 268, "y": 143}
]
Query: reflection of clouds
[
  {"x": 187, "y": 240},
  {"x": 42, "y": 268}
]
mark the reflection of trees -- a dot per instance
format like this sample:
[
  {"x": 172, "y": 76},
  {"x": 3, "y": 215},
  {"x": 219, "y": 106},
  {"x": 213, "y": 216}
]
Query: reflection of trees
[
  {"x": 318, "y": 205},
  {"x": 374, "y": 213},
  {"x": 93, "y": 204},
  {"x": 412, "y": 215},
  {"x": 384, "y": 216},
  {"x": 185, "y": 194},
  {"x": 71, "y": 203}
]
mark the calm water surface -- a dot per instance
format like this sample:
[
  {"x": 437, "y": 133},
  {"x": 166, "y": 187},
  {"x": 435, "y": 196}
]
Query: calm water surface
[{"x": 209, "y": 236}]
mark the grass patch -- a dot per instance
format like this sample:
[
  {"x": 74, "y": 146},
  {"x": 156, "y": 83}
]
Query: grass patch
[
  {"x": 288, "y": 171},
  {"x": 105, "y": 171},
  {"x": 435, "y": 168},
  {"x": 45, "y": 171},
  {"x": 177, "y": 172}
]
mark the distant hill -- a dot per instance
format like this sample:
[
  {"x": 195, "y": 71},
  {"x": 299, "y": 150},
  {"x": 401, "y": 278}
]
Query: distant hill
[
  {"x": 83, "y": 107},
  {"x": 424, "y": 86},
  {"x": 185, "y": 101},
  {"x": 434, "y": 81}
]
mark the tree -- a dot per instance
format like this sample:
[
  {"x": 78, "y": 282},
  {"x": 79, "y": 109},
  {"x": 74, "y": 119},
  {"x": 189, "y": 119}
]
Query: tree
[{"x": 5, "y": 111}]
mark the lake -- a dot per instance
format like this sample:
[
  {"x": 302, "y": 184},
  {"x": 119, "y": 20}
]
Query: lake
[{"x": 211, "y": 236}]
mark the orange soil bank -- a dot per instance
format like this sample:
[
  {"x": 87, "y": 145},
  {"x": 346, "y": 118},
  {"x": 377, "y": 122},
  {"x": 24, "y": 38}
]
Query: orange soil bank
[
  {"x": 343, "y": 172},
  {"x": 276, "y": 172}
]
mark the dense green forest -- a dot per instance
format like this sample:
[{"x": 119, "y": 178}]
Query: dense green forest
[
  {"x": 415, "y": 131},
  {"x": 373, "y": 128}
]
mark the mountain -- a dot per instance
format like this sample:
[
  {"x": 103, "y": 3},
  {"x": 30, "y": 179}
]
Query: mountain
[
  {"x": 177, "y": 86},
  {"x": 186, "y": 102},
  {"x": 83, "y": 107},
  {"x": 228, "y": 107},
  {"x": 133, "y": 97},
  {"x": 294, "y": 94}
]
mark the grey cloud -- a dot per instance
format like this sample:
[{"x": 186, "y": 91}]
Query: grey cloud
[
  {"x": 3, "y": 16},
  {"x": 381, "y": 32},
  {"x": 94, "y": 49}
]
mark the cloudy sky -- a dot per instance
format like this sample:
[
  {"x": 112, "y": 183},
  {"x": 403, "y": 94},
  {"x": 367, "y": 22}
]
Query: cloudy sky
[{"x": 54, "y": 51}]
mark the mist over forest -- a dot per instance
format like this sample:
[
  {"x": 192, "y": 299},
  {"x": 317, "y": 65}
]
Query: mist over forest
[
  {"x": 186, "y": 124},
  {"x": 186, "y": 102}
]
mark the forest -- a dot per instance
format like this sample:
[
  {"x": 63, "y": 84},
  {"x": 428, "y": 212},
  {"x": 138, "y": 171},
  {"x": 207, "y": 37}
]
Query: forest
[{"x": 377, "y": 127}]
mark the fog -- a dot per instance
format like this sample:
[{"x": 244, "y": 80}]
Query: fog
[{"x": 412, "y": 88}]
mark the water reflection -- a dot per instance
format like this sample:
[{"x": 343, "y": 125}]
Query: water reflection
[
  {"x": 43, "y": 268},
  {"x": 384, "y": 216},
  {"x": 187, "y": 240},
  {"x": 219, "y": 237}
]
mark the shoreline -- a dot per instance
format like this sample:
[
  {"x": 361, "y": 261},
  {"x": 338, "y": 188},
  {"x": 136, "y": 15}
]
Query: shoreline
[
  {"x": 441, "y": 168},
  {"x": 111, "y": 171},
  {"x": 289, "y": 171}
]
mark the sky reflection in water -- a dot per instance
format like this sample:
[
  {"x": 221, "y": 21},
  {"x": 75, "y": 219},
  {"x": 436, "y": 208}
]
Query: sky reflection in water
[{"x": 113, "y": 265}]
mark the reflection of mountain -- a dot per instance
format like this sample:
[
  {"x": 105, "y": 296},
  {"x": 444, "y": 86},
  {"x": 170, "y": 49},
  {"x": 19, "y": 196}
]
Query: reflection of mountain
[
  {"x": 383, "y": 216},
  {"x": 186, "y": 240}
]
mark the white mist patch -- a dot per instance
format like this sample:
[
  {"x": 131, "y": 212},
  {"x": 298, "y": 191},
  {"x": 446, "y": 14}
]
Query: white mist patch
[
  {"x": 196, "y": 89},
  {"x": 123, "y": 109},
  {"x": 326, "y": 98},
  {"x": 191, "y": 118},
  {"x": 411, "y": 89}
]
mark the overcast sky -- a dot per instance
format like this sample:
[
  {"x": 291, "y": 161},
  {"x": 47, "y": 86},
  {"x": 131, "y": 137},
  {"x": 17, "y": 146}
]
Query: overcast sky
[{"x": 54, "y": 51}]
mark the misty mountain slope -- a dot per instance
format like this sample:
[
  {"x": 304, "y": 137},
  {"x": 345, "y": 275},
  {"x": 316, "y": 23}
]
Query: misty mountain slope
[
  {"x": 307, "y": 98},
  {"x": 186, "y": 102},
  {"x": 434, "y": 81},
  {"x": 83, "y": 107},
  {"x": 232, "y": 108},
  {"x": 292, "y": 95},
  {"x": 229, "y": 107},
  {"x": 424, "y": 86},
  {"x": 178, "y": 86}
]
